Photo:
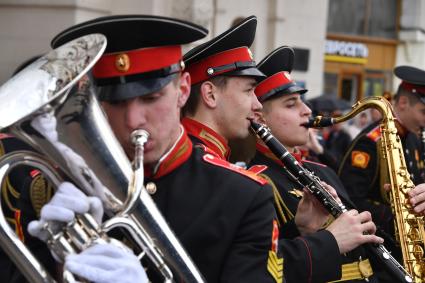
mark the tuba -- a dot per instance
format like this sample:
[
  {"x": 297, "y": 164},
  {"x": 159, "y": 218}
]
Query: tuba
[
  {"x": 409, "y": 227},
  {"x": 52, "y": 106}
]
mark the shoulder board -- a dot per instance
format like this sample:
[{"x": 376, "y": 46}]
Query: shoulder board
[
  {"x": 257, "y": 169},
  {"x": 314, "y": 163},
  {"x": 5, "y": 136},
  {"x": 374, "y": 134},
  {"x": 212, "y": 159}
]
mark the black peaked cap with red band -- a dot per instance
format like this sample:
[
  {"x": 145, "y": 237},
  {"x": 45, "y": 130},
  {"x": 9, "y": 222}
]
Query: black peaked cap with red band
[
  {"x": 226, "y": 54},
  {"x": 143, "y": 52},
  {"x": 412, "y": 79},
  {"x": 277, "y": 67}
]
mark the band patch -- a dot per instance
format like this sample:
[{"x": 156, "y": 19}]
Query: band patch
[
  {"x": 275, "y": 266},
  {"x": 40, "y": 193},
  {"x": 359, "y": 159}
]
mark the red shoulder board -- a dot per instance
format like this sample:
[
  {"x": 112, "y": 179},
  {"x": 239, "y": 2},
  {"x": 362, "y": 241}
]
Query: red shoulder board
[
  {"x": 223, "y": 163},
  {"x": 315, "y": 163},
  {"x": 374, "y": 134},
  {"x": 5, "y": 136},
  {"x": 257, "y": 169}
]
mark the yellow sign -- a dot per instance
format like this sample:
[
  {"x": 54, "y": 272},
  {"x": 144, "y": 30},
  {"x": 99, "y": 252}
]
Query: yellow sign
[{"x": 344, "y": 59}]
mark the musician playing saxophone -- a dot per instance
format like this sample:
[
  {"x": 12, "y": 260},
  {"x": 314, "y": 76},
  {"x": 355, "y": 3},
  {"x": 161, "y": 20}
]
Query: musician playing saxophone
[
  {"x": 285, "y": 113},
  {"x": 362, "y": 168}
]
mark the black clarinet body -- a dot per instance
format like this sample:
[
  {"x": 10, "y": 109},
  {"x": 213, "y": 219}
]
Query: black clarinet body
[{"x": 313, "y": 184}]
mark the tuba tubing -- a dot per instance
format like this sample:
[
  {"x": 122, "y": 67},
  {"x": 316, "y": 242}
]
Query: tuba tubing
[{"x": 60, "y": 117}]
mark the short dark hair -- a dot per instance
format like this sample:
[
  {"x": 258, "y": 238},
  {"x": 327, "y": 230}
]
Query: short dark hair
[
  {"x": 413, "y": 98},
  {"x": 195, "y": 94}
]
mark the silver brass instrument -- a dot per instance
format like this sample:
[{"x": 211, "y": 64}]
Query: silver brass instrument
[{"x": 52, "y": 106}]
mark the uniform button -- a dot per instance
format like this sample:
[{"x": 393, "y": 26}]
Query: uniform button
[
  {"x": 407, "y": 151},
  {"x": 151, "y": 188}
]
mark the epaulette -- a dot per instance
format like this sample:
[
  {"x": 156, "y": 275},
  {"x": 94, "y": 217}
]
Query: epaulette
[
  {"x": 215, "y": 160},
  {"x": 374, "y": 134},
  {"x": 257, "y": 169},
  {"x": 315, "y": 163}
]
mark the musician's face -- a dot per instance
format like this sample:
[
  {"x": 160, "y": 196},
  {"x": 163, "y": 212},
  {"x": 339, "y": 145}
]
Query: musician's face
[
  {"x": 285, "y": 116},
  {"x": 411, "y": 115},
  {"x": 235, "y": 105},
  {"x": 157, "y": 113}
]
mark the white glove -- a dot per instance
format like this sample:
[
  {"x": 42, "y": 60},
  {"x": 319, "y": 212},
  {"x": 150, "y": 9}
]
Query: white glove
[
  {"x": 67, "y": 201},
  {"x": 106, "y": 263}
]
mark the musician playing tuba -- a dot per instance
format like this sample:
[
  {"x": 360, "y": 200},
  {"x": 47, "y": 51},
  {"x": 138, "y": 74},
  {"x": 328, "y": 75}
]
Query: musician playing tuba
[
  {"x": 366, "y": 174},
  {"x": 223, "y": 218}
]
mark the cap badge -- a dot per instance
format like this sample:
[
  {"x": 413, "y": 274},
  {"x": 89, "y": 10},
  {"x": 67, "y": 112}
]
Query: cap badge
[{"x": 122, "y": 62}]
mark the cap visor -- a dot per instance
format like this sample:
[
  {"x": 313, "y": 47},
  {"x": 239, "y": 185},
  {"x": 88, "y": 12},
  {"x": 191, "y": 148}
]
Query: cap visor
[{"x": 133, "y": 89}]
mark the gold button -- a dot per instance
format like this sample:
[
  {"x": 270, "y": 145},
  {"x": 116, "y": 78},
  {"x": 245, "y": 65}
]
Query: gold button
[{"x": 151, "y": 188}]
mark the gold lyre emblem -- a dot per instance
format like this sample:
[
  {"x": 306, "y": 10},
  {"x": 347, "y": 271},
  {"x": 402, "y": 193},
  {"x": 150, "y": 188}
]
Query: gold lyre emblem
[{"x": 122, "y": 62}]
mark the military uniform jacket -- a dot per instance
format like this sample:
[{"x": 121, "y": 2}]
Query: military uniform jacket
[
  {"x": 363, "y": 172},
  {"x": 299, "y": 257},
  {"x": 23, "y": 194},
  {"x": 223, "y": 216},
  {"x": 321, "y": 255}
]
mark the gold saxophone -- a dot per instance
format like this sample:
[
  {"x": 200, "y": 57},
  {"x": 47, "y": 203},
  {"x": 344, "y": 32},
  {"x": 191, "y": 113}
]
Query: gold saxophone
[{"x": 409, "y": 226}]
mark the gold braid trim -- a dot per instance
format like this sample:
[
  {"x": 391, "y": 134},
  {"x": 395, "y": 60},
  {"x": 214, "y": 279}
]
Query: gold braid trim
[{"x": 279, "y": 203}]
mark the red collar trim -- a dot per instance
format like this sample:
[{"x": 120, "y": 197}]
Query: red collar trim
[
  {"x": 176, "y": 157},
  {"x": 272, "y": 82},
  {"x": 201, "y": 70},
  {"x": 208, "y": 136},
  {"x": 136, "y": 61},
  {"x": 413, "y": 88}
]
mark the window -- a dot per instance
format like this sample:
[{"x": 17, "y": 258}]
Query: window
[{"x": 375, "y": 18}]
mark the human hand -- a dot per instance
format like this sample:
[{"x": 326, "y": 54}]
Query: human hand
[
  {"x": 106, "y": 263},
  {"x": 352, "y": 229},
  {"x": 67, "y": 201},
  {"x": 313, "y": 141},
  {"x": 311, "y": 215},
  {"x": 417, "y": 199}
]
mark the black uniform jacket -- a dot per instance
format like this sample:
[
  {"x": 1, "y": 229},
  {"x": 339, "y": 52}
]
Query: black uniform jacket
[
  {"x": 363, "y": 172},
  {"x": 321, "y": 255},
  {"x": 223, "y": 215},
  {"x": 23, "y": 194},
  {"x": 299, "y": 257}
]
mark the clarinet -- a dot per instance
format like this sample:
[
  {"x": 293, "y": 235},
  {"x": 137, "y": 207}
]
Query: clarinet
[{"x": 313, "y": 184}]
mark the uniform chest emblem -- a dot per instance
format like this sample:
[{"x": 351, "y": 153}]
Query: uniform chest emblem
[
  {"x": 297, "y": 193},
  {"x": 359, "y": 159}
]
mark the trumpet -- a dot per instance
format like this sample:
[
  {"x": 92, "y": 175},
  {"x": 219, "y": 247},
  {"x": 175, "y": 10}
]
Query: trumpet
[{"x": 59, "y": 116}]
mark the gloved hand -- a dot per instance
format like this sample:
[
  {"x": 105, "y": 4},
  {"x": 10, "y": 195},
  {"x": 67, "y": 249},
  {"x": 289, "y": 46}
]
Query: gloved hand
[
  {"x": 67, "y": 201},
  {"x": 106, "y": 263}
]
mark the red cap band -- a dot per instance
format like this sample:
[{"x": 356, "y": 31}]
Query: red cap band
[
  {"x": 199, "y": 70},
  {"x": 137, "y": 61},
  {"x": 272, "y": 82},
  {"x": 413, "y": 88}
]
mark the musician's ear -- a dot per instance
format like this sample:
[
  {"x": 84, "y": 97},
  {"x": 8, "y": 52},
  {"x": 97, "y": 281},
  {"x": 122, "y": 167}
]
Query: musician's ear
[{"x": 209, "y": 94}]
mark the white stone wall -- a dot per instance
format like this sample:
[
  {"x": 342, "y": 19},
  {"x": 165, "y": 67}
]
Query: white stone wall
[
  {"x": 411, "y": 50},
  {"x": 302, "y": 24},
  {"x": 27, "y": 26}
]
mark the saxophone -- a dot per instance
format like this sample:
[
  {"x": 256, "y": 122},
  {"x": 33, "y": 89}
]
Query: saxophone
[{"x": 409, "y": 226}]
